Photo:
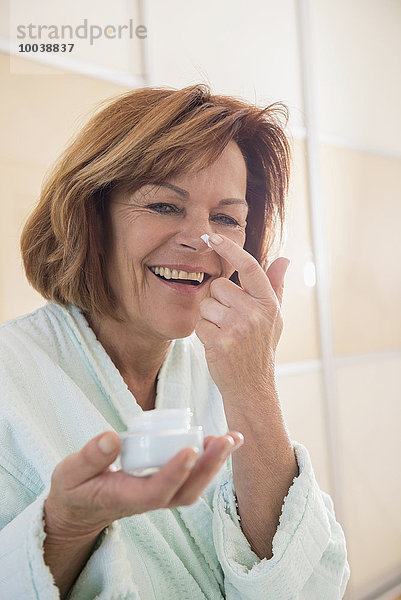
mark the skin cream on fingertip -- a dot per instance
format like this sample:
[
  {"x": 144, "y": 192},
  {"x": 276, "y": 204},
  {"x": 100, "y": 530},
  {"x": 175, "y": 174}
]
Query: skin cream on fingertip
[
  {"x": 154, "y": 437},
  {"x": 205, "y": 238}
]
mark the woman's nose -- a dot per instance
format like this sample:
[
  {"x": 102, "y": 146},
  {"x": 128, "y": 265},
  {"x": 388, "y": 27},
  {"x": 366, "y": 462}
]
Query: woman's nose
[{"x": 190, "y": 236}]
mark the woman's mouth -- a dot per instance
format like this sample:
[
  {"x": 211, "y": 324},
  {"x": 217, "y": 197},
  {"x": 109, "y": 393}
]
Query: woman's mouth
[{"x": 185, "y": 286}]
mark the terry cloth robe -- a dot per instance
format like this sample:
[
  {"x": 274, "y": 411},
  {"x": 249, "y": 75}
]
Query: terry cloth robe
[{"x": 59, "y": 389}]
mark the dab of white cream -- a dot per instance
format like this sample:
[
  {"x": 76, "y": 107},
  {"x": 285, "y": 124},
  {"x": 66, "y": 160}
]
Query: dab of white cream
[{"x": 205, "y": 238}]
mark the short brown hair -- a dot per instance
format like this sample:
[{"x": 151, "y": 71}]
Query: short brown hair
[{"x": 142, "y": 136}]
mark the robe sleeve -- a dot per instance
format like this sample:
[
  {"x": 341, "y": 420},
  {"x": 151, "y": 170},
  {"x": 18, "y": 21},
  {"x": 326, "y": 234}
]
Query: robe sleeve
[
  {"x": 309, "y": 559},
  {"x": 23, "y": 571}
]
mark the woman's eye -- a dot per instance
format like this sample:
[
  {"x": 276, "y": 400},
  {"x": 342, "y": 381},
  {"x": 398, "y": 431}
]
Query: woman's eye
[
  {"x": 231, "y": 221},
  {"x": 161, "y": 205}
]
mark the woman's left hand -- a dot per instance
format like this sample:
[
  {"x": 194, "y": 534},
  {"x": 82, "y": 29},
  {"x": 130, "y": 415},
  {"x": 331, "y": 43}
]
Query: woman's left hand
[{"x": 240, "y": 326}]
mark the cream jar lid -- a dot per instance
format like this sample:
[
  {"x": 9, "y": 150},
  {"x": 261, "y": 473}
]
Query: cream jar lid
[{"x": 160, "y": 419}]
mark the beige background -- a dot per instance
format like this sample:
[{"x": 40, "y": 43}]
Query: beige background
[{"x": 252, "y": 50}]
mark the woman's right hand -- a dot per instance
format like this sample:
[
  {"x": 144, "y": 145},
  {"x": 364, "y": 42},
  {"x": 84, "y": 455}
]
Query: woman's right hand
[{"x": 87, "y": 495}]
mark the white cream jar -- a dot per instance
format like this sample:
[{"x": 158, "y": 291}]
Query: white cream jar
[{"x": 154, "y": 437}]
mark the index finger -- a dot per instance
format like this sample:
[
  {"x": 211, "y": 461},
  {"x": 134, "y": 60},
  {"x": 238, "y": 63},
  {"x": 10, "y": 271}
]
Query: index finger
[{"x": 252, "y": 277}]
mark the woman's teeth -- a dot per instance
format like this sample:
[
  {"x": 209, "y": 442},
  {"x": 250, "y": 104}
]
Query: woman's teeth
[{"x": 175, "y": 274}]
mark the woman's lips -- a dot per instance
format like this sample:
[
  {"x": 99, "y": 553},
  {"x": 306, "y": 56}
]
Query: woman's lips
[{"x": 183, "y": 288}]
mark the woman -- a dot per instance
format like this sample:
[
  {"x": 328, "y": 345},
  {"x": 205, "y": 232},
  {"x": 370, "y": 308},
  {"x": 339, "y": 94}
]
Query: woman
[{"x": 147, "y": 177}]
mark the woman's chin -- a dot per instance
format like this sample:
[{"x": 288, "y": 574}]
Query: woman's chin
[{"x": 178, "y": 330}]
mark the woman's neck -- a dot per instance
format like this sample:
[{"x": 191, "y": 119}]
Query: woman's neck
[{"x": 137, "y": 358}]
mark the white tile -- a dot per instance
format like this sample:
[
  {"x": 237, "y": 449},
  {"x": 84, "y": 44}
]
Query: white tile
[
  {"x": 369, "y": 395},
  {"x": 363, "y": 209},
  {"x": 356, "y": 53},
  {"x": 301, "y": 401},
  {"x": 244, "y": 49}
]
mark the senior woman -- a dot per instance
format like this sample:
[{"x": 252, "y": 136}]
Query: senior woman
[{"x": 151, "y": 173}]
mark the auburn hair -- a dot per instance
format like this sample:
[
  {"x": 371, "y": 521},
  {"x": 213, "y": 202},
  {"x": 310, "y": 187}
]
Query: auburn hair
[{"x": 144, "y": 136}]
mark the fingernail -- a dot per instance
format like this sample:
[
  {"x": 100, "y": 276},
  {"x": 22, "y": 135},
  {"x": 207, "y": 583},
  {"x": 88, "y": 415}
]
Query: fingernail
[
  {"x": 240, "y": 441},
  {"x": 191, "y": 460},
  {"x": 216, "y": 239},
  {"x": 228, "y": 449},
  {"x": 237, "y": 446},
  {"x": 107, "y": 443}
]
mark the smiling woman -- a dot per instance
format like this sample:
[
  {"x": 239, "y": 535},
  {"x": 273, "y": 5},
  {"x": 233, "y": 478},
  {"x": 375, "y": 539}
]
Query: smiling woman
[
  {"x": 150, "y": 242},
  {"x": 160, "y": 225},
  {"x": 143, "y": 137}
]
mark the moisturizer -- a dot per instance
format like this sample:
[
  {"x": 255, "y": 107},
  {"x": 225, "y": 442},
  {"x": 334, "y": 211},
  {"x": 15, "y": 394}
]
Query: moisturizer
[
  {"x": 154, "y": 437},
  {"x": 205, "y": 238}
]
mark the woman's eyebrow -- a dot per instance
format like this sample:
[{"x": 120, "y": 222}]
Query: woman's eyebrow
[{"x": 185, "y": 194}]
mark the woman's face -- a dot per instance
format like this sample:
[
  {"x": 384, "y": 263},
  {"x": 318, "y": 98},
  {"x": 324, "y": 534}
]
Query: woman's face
[{"x": 161, "y": 226}]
